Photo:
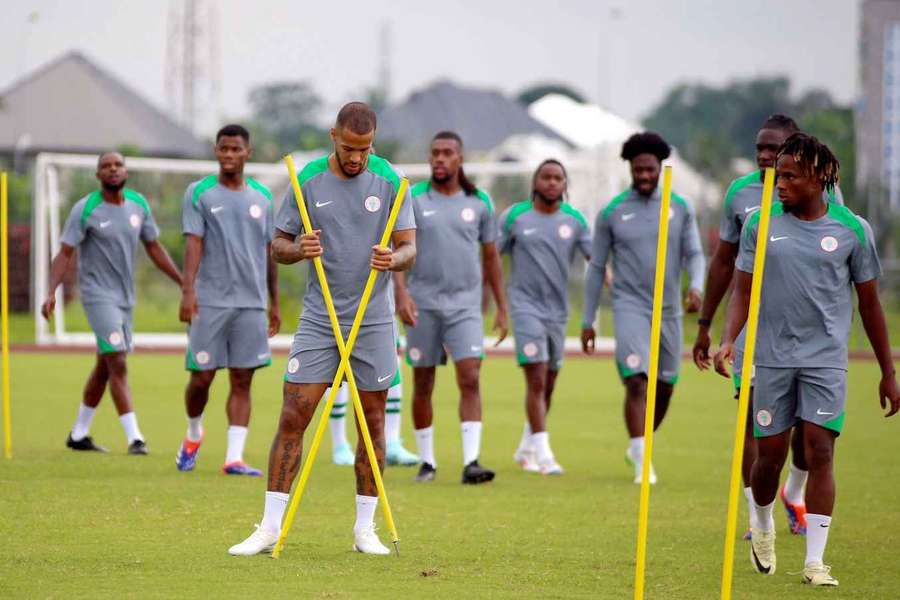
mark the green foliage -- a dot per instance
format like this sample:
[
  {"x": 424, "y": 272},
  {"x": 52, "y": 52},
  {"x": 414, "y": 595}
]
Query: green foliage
[
  {"x": 835, "y": 127},
  {"x": 19, "y": 195},
  {"x": 119, "y": 526},
  {"x": 536, "y": 91},
  {"x": 287, "y": 113}
]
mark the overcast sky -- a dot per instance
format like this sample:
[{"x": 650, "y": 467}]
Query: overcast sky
[{"x": 625, "y": 54}]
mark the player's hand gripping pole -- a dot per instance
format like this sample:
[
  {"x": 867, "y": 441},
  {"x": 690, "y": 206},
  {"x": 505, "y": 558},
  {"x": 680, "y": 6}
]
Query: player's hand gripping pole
[
  {"x": 759, "y": 263},
  {"x": 662, "y": 244},
  {"x": 344, "y": 367}
]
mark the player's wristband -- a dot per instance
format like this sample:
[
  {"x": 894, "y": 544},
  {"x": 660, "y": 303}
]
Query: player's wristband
[{"x": 704, "y": 322}]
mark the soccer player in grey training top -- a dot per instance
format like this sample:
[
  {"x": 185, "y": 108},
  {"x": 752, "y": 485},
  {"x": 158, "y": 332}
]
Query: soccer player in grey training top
[
  {"x": 541, "y": 235},
  {"x": 628, "y": 229},
  {"x": 227, "y": 221},
  {"x": 349, "y": 195},
  {"x": 816, "y": 250},
  {"x": 106, "y": 226},
  {"x": 742, "y": 199},
  {"x": 440, "y": 300}
]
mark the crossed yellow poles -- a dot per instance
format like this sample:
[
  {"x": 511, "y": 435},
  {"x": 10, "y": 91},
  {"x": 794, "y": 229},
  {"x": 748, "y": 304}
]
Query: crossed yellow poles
[{"x": 344, "y": 368}]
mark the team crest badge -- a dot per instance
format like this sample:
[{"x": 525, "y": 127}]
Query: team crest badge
[
  {"x": 829, "y": 243},
  {"x": 372, "y": 203}
]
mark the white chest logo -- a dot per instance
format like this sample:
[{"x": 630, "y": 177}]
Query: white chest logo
[
  {"x": 373, "y": 203},
  {"x": 628, "y": 217},
  {"x": 829, "y": 244},
  {"x": 135, "y": 221},
  {"x": 468, "y": 215},
  {"x": 565, "y": 232},
  {"x": 255, "y": 211}
]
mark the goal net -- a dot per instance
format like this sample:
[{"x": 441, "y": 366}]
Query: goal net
[{"x": 62, "y": 179}]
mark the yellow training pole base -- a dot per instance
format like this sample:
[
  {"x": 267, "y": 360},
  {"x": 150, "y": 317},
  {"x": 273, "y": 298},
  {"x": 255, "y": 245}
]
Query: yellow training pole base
[
  {"x": 759, "y": 263},
  {"x": 662, "y": 245}
]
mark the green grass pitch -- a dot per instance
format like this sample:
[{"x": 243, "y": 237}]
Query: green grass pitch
[{"x": 117, "y": 526}]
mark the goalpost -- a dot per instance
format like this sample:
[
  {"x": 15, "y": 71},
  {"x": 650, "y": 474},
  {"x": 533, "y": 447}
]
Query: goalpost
[{"x": 60, "y": 180}]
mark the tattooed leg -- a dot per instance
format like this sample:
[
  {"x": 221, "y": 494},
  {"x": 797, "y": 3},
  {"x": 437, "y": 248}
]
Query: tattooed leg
[
  {"x": 300, "y": 401},
  {"x": 373, "y": 406}
]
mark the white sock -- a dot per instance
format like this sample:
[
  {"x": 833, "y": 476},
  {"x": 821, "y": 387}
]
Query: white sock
[
  {"x": 130, "y": 425},
  {"x": 471, "y": 440},
  {"x": 748, "y": 494},
  {"x": 524, "y": 443},
  {"x": 276, "y": 503},
  {"x": 338, "y": 421},
  {"x": 392, "y": 420},
  {"x": 195, "y": 428},
  {"x": 636, "y": 445},
  {"x": 817, "y": 527},
  {"x": 794, "y": 484},
  {"x": 425, "y": 445},
  {"x": 365, "y": 512},
  {"x": 765, "y": 520},
  {"x": 541, "y": 443},
  {"x": 82, "y": 427},
  {"x": 237, "y": 436}
]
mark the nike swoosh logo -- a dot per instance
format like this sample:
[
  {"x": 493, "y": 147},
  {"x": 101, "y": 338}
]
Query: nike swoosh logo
[
  {"x": 529, "y": 231},
  {"x": 321, "y": 204},
  {"x": 216, "y": 209},
  {"x": 776, "y": 238},
  {"x": 628, "y": 217},
  {"x": 823, "y": 525},
  {"x": 819, "y": 412},
  {"x": 383, "y": 379},
  {"x": 751, "y": 208},
  {"x": 476, "y": 348},
  {"x": 759, "y": 566},
  {"x": 105, "y": 223},
  {"x": 428, "y": 213},
  {"x": 262, "y": 356}
]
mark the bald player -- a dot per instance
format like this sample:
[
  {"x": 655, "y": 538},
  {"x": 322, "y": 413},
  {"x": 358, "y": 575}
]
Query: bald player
[
  {"x": 349, "y": 195},
  {"x": 627, "y": 230},
  {"x": 439, "y": 301},
  {"x": 106, "y": 226}
]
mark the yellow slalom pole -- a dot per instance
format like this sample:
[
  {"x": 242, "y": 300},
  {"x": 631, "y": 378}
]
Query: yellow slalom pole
[
  {"x": 759, "y": 263},
  {"x": 4, "y": 312},
  {"x": 344, "y": 367},
  {"x": 662, "y": 244}
]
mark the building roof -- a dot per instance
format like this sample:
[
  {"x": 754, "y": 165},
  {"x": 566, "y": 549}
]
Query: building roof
[
  {"x": 483, "y": 118},
  {"x": 72, "y": 105}
]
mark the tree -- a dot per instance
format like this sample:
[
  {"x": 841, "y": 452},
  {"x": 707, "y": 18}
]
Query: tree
[
  {"x": 288, "y": 112},
  {"x": 536, "y": 91}
]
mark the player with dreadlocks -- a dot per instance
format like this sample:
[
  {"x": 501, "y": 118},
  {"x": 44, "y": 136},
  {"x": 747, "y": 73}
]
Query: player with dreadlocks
[
  {"x": 816, "y": 249},
  {"x": 541, "y": 236},
  {"x": 627, "y": 229},
  {"x": 743, "y": 197}
]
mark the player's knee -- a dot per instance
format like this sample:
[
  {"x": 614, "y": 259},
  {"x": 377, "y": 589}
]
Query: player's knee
[
  {"x": 819, "y": 454},
  {"x": 241, "y": 379},
  {"x": 636, "y": 386},
  {"x": 291, "y": 421},
  {"x": 116, "y": 364},
  {"x": 468, "y": 381},
  {"x": 201, "y": 380}
]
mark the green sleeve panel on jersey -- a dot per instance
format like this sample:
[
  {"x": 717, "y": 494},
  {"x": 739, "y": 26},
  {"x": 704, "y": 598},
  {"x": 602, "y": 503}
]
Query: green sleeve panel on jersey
[
  {"x": 313, "y": 168},
  {"x": 614, "y": 203},
  {"x": 678, "y": 199},
  {"x": 260, "y": 188},
  {"x": 420, "y": 188},
  {"x": 383, "y": 168},
  {"x": 777, "y": 209},
  {"x": 737, "y": 185},
  {"x": 845, "y": 217},
  {"x": 204, "y": 184},
  {"x": 93, "y": 201},
  {"x": 138, "y": 199},
  {"x": 517, "y": 210},
  {"x": 574, "y": 213},
  {"x": 484, "y": 197}
]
